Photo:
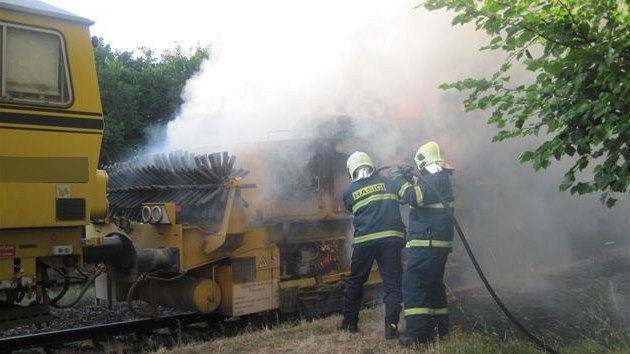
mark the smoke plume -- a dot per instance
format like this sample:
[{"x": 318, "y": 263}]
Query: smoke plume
[{"x": 279, "y": 66}]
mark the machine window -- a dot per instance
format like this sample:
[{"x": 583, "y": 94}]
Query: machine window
[{"x": 34, "y": 66}]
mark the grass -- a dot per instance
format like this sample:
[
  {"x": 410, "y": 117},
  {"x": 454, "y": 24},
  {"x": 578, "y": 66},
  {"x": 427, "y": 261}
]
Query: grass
[{"x": 320, "y": 336}]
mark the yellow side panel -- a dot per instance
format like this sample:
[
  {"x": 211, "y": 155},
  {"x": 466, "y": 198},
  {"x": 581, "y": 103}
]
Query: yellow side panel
[
  {"x": 254, "y": 297},
  {"x": 28, "y": 245},
  {"x": 32, "y": 204},
  {"x": 259, "y": 294},
  {"x": 6, "y": 269},
  {"x": 43, "y": 169},
  {"x": 152, "y": 236},
  {"x": 27, "y": 266}
]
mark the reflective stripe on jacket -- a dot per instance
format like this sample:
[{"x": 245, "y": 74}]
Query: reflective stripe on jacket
[{"x": 374, "y": 203}]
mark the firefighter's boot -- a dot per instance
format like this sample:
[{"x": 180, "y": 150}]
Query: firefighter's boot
[{"x": 391, "y": 331}]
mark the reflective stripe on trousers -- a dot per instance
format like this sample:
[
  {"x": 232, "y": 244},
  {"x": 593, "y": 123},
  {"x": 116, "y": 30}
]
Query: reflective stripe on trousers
[
  {"x": 425, "y": 311},
  {"x": 378, "y": 235},
  {"x": 438, "y": 205},
  {"x": 429, "y": 243}
]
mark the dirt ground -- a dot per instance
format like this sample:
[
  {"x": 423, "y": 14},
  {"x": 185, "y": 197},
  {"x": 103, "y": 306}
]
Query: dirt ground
[{"x": 589, "y": 300}]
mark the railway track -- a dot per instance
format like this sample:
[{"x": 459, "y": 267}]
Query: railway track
[
  {"x": 102, "y": 332},
  {"x": 566, "y": 308},
  {"x": 146, "y": 334}
]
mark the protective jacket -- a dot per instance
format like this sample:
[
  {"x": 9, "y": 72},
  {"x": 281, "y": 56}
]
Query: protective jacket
[
  {"x": 429, "y": 242},
  {"x": 429, "y": 219},
  {"x": 374, "y": 204}
]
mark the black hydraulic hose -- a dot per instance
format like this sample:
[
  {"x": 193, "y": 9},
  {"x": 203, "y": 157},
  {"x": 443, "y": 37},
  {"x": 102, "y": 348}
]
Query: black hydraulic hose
[
  {"x": 173, "y": 278},
  {"x": 85, "y": 287},
  {"x": 130, "y": 295},
  {"x": 85, "y": 276},
  {"x": 495, "y": 297},
  {"x": 46, "y": 282},
  {"x": 70, "y": 277},
  {"x": 62, "y": 293}
]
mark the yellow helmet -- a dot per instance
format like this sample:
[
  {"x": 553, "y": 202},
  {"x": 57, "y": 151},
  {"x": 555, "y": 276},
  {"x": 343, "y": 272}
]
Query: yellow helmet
[
  {"x": 427, "y": 154},
  {"x": 358, "y": 159}
]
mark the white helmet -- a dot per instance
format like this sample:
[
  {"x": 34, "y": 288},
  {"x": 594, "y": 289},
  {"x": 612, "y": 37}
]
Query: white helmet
[
  {"x": 427, "y": 154},
  {"x": 356, "y": 161}
]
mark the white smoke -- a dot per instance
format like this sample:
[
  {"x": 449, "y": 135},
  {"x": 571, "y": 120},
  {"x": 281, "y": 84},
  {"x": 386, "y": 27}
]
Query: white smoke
[
  {"x": 277, "y": 64},
  {"x": 280, "y": 65}
]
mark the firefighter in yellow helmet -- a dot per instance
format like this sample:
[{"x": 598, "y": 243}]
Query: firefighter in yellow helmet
[
  {"x": 429, "y": 194},
  {"x": 378, "y": 236}
]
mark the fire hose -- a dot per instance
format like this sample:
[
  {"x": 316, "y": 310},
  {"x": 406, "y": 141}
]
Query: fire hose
[{"x": 545, "y": 347}]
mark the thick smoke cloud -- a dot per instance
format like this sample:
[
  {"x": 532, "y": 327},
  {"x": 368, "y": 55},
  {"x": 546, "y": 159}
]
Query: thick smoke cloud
[{"x": 279, "y": 65}]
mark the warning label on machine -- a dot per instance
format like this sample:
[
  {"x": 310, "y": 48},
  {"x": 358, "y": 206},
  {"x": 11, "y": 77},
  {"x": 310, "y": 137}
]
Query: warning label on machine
[
  {"x": 255, "y": 297},
  {"x": 7, "y": 250}
]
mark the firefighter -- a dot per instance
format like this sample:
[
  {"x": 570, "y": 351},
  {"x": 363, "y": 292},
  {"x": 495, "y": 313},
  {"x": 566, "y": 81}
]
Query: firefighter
[
  {"x": 429, "y": 242},
  {"x": 378, "y": 235}
]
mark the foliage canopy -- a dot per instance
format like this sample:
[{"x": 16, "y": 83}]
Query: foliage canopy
[
  {"x": 578, "y": 53},
  {"x": 139, "y": 93}
]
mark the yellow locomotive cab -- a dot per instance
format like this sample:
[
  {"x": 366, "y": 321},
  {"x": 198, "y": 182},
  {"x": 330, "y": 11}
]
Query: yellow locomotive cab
[{"x": 51, "y": 126}]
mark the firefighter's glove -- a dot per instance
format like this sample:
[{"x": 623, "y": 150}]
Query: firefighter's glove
[{"x": 405, "y": 172}]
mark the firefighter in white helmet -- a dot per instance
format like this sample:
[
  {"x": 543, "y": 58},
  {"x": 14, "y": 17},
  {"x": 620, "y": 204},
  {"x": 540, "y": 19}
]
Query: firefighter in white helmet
[
  {"x": 378, "y": 235},
  {"x": 429, "y": 242}
]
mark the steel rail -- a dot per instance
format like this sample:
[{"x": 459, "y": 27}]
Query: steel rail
[{"x": 100, "y": 331}]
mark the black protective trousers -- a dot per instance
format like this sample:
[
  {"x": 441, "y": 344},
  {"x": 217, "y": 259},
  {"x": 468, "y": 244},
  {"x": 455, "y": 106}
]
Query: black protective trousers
[
  {"x": 424, "y": 293},
  {"x": 388, "y": 259}
]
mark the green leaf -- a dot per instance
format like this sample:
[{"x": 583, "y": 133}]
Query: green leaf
[
  {"x": 567, "y": 182},
  {"x": 610, "y": 202},
  {"x": 526, "y": 156},
  {"x": 576, "y": 54},
  {"x": 582, "y": 188}
]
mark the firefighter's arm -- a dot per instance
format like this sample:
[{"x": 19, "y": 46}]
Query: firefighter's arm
[{"x": 410, "y": 192}]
